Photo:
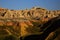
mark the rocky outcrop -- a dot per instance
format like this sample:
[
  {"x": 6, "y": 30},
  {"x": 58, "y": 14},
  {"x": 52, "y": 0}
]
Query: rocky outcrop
[
  {"x": 33, "y": 13},
  {"x": 26, "y": 22}
]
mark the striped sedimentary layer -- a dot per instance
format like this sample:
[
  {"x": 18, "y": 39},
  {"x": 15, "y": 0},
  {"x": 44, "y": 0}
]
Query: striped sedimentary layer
[{"x": 25, "y": 22}]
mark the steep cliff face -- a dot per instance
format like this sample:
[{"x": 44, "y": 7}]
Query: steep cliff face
[{"x": 25, "y": 22}]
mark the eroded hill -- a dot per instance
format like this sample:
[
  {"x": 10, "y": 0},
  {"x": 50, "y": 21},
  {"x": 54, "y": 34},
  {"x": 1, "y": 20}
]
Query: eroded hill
[{"x": 25, "y": 22}]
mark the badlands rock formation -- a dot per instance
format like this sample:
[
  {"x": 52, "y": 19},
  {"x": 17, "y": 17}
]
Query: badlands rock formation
[
  {"x": 33, "y": 13},
  {"x": 25, "y": 22}
]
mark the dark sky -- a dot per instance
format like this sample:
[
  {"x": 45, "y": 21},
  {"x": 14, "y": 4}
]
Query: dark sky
[{"x": 23, "y": 4}]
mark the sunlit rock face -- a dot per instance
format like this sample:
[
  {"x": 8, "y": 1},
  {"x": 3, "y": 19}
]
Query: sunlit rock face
[
  {"x": 31, "y": 13},
  {"x": 25, "y": 22}
]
